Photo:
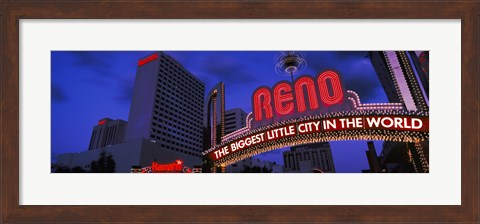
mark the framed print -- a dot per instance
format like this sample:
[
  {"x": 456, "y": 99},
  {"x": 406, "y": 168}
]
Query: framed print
[{"x": 150, "y": 93}]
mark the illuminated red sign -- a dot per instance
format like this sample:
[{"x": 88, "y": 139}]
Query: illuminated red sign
[
  {"x": 147, "y": 59},
  {"x": 287, "y": 98},
  {"x": 371, "y": 124},
  {"x": 174, "y": 167},
  {"x": 102, "y": 122},
  {"x": 315, "y": 110}
]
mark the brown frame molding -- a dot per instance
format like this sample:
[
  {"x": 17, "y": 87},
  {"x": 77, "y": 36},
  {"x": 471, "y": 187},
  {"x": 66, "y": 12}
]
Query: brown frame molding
[{"x": 12, "y": 11}]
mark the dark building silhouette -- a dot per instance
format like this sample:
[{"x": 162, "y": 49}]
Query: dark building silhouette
[
  {"x": 107, "y": 132},
  {"x": 167, "y": 105},
  {"x": 373, "y": 159},
  {"x": 234, "y": 120}
]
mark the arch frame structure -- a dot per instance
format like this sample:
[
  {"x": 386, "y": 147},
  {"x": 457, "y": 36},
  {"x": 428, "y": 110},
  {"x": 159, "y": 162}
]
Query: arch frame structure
[
  {"x": 232, "y": 154},
  {"x": 259, "y": 141}
]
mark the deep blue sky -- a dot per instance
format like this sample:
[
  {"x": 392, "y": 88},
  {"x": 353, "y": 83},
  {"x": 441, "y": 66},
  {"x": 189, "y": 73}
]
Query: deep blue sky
[{"x": 90, "y": 85}]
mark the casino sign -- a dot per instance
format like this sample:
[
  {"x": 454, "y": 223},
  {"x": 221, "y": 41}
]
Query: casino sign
[
  {"x": 314, "y": 109},
  {"x": 174, "y": 167}
]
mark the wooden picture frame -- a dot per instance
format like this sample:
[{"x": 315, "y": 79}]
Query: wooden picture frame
[{"x": 12, "y": 11}]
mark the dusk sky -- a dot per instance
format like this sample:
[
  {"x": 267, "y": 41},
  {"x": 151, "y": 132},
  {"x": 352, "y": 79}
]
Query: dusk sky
[{"x": 90, "y": 85}]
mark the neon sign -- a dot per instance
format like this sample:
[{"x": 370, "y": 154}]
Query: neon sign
[
  {"x": 313, "y": 110},
  {"x": 102, "y": 122},
  {"x": 288, "y": 100},
  {"x": 324, "y": 127},
  {"x": 147, "y": 59},
  {"x": 175, "y": 167},
  {"x": 167, "y": 168}
]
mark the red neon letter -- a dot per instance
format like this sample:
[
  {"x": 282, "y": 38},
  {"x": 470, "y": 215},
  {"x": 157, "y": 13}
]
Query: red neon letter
[
  {"x": 311, "y": 93},
  {"x": 337, "y": 92},
  {"x": 259, "y": 105},
  {"x": 283, "y": 99}
]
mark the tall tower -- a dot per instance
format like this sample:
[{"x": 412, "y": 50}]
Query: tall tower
[
  {"x": 400, "y": 79},
  {"x": 167, "y": 105},
  {"x": 107, "y": 132},
  {"x": 214, "y": 121},
  {"x": 373, "y": 160},
  {"x": 404, "y": 82}
]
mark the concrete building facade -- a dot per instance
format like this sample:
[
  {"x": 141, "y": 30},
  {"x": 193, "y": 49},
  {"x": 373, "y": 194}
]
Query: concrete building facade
[
  {"x": 309, "y": 157},
  {"x": 234, "y": 120},
  {"x": 165, "y": 121},
  {"x": 167, "y": 105},
  {"x": 107, "y": 132}
]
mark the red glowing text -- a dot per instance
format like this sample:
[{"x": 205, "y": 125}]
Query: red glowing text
[
  {"x": 285, "y": 99},
  {"x": 368, "y": 124}
]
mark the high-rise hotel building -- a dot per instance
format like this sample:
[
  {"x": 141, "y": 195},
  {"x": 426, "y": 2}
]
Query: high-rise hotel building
[
  {"x": 167, "y": 105},
  {"x": 107, "y": 132},
  {"x": 165, "y": 123}
]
